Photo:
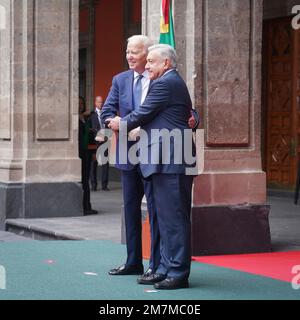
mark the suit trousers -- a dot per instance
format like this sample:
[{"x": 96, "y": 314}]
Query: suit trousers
[
  {"x": 172, "y": 194},
  {"x": 104, "y": 174},
  {"x": 86, "y": 158},
  {"x": 134, "y": 187}
]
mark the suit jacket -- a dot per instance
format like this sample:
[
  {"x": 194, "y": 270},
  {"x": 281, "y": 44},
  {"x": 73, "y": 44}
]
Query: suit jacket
[
  {"x": 96, "y": 125},
  {"x": 120, "y": 102},
  {"x": 84, "y": 135},
  {"x": 167, "y": 106}
]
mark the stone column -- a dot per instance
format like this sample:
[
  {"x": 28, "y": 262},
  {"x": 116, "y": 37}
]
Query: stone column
[
  {"x": 219, "y": 49},
  {"x": 39, "y": 164}
]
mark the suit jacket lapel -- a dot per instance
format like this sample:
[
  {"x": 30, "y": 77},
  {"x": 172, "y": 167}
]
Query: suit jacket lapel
[{"x": 149, "y": 87}]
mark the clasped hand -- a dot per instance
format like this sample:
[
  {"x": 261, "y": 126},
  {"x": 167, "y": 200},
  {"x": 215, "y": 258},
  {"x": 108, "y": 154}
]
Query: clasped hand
[{"x": 113, "y": 123}]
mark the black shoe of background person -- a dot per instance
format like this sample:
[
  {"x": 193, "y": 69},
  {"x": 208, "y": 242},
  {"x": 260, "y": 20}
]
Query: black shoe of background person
[
  {"x": 151, "y": 279},
  {"x": 94, "y": 187},
  {"x": 105, "y": 189},
  {"x": 89, "y": 212},
  {"x": 126, "y": 270},
  {"x": 172, "y": 283}
]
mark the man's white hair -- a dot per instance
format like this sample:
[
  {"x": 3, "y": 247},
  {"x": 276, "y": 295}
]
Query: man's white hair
[
  {"x": 166, "y": 52},
  {"x": 141, "y": 39}
]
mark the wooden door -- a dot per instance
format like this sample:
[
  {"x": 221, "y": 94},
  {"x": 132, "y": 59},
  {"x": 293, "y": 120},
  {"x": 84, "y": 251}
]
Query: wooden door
[{"x": 282, "y": 110}]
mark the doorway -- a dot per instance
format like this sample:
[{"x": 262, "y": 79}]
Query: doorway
[
  {"x": 281, "y": 100},
  {"x": 82, "y": 72},
  {"x": 102, "y": 43}
]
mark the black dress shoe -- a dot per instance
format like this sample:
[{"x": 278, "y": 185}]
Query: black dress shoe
[
  {"x": 151, "y": 279},
  {"x": 89, "y": 212},
  {"x": 94, "y": 188},
  {"x": 105, "y": 189},
  {"x": 126, "y": 270},
  {"x": 146, "y": 274},
  {"x": 172, "y": 283}
]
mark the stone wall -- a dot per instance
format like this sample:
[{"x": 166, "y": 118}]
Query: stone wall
[
  {"x": 39, "y": 91},
  {"x": 39, "y": 108},
  {"x": 5, "y": 70}
]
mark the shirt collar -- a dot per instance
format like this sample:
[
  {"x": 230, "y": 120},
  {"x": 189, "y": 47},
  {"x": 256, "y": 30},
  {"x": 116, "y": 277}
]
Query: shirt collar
[
  {"x": 145, "y": 74},
  {"x": 168, "y": 71}
]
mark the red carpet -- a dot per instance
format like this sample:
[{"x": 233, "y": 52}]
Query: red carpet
[{"x": 276, "y": 265}]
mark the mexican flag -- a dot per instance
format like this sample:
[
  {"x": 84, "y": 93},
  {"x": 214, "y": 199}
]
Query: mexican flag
[{"x": 166, "y": 24}]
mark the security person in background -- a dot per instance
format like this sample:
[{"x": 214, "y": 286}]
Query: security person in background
[
  {"x": 96, "y": 126},
  {"x": 84, "y": 132}
]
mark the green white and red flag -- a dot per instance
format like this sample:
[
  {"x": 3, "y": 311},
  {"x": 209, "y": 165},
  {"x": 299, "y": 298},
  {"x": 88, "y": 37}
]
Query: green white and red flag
[{"x": 166, "y": 24}]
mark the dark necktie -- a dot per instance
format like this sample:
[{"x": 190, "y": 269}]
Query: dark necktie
[
  {"x": 99, "y": 118},
  {"x": 137, "y": 92}
]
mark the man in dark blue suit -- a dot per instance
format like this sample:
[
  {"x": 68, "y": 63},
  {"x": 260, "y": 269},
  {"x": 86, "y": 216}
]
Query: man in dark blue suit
[{"x": 167, "y": 106}]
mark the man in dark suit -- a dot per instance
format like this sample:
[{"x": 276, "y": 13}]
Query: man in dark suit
[
  {"x": 120, "y": 102},
  {"x": 96, "y": 126},
  {"x": 167, "y": 106},
  {"x": 85, "y": 154}
]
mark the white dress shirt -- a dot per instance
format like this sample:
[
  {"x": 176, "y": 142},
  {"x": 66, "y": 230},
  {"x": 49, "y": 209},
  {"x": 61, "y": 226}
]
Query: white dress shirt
[{"x": 145, "y": 83}]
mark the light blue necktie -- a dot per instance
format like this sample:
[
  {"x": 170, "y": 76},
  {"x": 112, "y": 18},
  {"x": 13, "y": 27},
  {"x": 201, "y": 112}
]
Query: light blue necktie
[{"x": 137, "y": 92}]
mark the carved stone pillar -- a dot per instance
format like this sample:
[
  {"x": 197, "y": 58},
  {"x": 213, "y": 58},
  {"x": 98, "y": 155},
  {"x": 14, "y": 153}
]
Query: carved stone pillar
[
  {"x": 39, "y": 164},
  {"x": 219, "y": 49}
]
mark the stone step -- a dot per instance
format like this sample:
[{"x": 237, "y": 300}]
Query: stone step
[
  {"x": 28, "y": 230},
  {"x": 11, "y": 237}
]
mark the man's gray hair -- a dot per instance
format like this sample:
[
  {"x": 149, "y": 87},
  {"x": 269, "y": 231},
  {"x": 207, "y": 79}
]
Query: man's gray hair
[
  {"x": 146, "y": 41},
  {"x": 166, "y": 52}
]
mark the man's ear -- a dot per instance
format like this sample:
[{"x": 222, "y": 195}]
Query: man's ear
[{"x": 167, "y": 64}]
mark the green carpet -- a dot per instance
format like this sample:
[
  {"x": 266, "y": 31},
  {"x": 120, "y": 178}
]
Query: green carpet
[{"x": 56, "y": 270}]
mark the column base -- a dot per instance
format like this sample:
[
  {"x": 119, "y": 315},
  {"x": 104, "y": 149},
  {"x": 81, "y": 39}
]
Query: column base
[
  {"x": 40, "y": 200},
  {"x": 218, "y": 230}
]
